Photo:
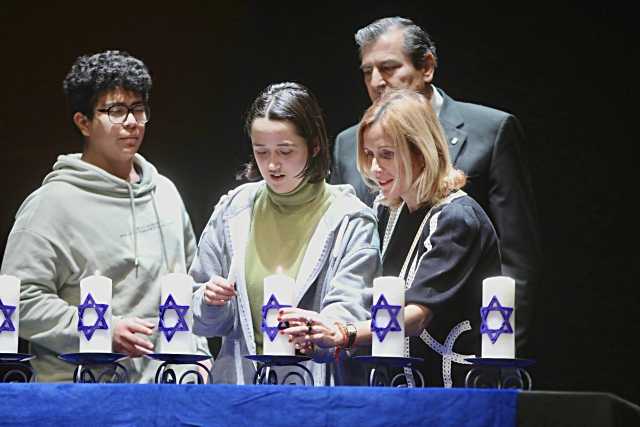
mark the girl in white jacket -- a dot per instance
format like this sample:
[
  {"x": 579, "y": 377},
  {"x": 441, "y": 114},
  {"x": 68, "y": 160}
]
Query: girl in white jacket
[{"x": 293, "y": 221}]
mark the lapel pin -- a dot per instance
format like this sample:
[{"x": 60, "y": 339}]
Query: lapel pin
[{"x": 454, "y": 140}]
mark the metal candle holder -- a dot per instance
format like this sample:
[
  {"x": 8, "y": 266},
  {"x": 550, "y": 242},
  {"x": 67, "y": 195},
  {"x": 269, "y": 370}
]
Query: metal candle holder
[
  {"x": 265, "y": 374},
  {"x": 379, "y": 375},
  {"x": 167, "y": 375},
  {"x": 97, "y": 367},
  {"x": 499, "y": 373},
  {"x": 16, "y": 369}
]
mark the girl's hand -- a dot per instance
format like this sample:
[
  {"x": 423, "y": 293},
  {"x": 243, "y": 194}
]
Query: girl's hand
[
  {"x": 218, "y": 291},
  {"x": 308, "y": 327}
]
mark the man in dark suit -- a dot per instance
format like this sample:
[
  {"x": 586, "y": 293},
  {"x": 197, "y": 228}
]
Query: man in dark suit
[{"x": 483, "y": 142}]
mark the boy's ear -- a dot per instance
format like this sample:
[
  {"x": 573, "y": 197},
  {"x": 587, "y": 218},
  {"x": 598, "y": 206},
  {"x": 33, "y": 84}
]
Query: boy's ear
[{"x": 82, "y": 122}]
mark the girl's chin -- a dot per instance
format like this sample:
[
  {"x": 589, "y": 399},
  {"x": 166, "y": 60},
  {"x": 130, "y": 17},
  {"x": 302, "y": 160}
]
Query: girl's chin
[{"x": 282, "y": 186}]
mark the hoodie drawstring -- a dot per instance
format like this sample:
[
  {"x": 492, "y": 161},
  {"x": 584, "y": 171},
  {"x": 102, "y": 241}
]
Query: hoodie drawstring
[
  {"x": 164, "y": 246},
  {"x": 136, "y": 262}
]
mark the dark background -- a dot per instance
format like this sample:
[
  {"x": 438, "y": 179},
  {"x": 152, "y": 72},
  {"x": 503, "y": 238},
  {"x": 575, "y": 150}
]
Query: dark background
[{"x": 567, "y": 72}]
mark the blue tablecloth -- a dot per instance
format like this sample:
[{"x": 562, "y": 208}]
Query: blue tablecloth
[{"x": 280, "y": 406}]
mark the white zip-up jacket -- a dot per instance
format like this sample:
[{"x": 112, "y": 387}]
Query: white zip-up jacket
[{"x": 335, "y": 278}]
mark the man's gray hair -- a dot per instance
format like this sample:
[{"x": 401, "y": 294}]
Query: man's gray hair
[{"x": 416, "y": 41}]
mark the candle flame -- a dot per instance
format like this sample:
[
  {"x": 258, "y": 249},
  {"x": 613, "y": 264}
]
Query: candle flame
[
  {"x": 97, "y": 273},
  {"x": 279, "y": 270}
]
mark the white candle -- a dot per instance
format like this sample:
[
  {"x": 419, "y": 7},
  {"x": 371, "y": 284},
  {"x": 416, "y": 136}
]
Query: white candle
[
  {"x": 96, "y": 336},
  {"x": 278, "y": 289},
  {"x": 10, "y": 300},
  {"x": 388, "y": 291},
  {"x": 499, "y": 316},
  {"x": 178, "y": 316}
]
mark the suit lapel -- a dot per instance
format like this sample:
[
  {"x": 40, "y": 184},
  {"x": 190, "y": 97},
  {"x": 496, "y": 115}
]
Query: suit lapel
[{"x": 452, "y": 123}]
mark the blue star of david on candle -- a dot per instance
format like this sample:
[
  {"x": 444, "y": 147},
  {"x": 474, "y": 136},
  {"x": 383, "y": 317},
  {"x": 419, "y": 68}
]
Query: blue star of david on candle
[
  {"x": 393, "y": 324},
  {"x": 505, "y": 328},
  {"x": 272, "y": 304},
  {"x": 101, "y": 322},
  {"x": 181, "y": 324},
  {"x": 7, "y": 310}
]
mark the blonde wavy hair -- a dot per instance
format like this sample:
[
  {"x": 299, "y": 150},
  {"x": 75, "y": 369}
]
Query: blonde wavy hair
[{"x": 412, "y": 127}]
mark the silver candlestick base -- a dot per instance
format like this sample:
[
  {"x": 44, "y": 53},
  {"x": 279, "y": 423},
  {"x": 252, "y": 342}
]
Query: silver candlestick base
[
  {"x": 14, "y": 368},
  {"x": 379, "y": 375},
  {"x": 499, "y": 373},
  {"x": 166, "y": 375},
  {"x": 265, "y": 374}
]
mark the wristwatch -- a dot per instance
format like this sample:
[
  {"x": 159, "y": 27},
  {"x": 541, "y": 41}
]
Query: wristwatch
[{"x": 352, "y": 331}]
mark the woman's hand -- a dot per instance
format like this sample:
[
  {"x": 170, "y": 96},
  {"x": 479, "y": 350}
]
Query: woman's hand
[
  {"x": 308, "y": 327},
  {"x": 218, "y": 291}
]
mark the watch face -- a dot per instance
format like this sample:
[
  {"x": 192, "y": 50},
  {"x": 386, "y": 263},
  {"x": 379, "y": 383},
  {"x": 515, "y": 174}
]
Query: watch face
[{"x": 352, "y": 331}]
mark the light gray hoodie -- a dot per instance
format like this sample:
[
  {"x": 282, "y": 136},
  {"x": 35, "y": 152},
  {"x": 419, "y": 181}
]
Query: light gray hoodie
[
  {"x": 335, "y": 278},
  {"x": 82, "y": 220}
]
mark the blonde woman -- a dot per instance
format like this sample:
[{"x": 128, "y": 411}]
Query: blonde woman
[{"x": 434, "y": 236}]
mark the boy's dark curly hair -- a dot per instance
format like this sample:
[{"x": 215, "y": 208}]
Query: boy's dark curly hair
[{"x": 91, "y": 76}]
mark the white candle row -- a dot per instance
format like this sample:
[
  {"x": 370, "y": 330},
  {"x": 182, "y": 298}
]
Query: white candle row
[
  {"x": 176, "y": 317},
  {"x": 95, "y": 332},
  {"x": 497, "y": 317},
  {"x": 94, "y": 326}
]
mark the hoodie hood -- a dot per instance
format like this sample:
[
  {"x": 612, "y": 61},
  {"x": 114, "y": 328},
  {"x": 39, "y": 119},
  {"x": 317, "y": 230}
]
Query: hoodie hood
[{"x": 70, "y": 168}]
